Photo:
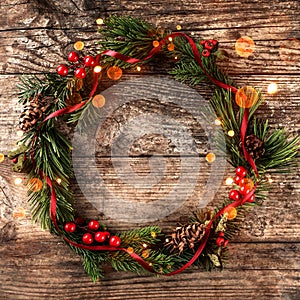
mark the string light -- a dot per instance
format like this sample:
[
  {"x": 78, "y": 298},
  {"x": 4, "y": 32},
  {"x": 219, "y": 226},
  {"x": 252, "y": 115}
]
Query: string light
[
  {"x": 145, "y": 245},
  {"x": 58, "y": 180},
  {"x": 1, "y": 157},
  {"x": 18, "y": 181},
  {"x": 272, "y": 88},
  {"x": 99, "y": 21},
  {"x": 138, "y": 68},
  {"x": 19, "y": 213},
  {"x": 155, "y": 44},
  {"x": 79, "y": 45},
  {"x": 192, "y": 33},
  {"x": 130, "y": 250},
  {"x": 153, "y": 234},
  {"x": 20, "y": 133},
  {"x": 230, "y": 133},
  {"x": 167, "y": 240},
  {"x": 229, "y": 181},
  {"x": 178, "y": 27},
  {"x": 97, "y": 69},
  {"x": 218, "y": 122},
  {"x": 176, "y": 57},
  {"x": 170, "y": 39},
  {"x": 210, "y": 157}
]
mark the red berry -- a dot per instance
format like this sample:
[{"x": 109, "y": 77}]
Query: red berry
[
  {"x": 234, "y": 195},
  {"x": 62, "y": 70},
  {"x": 237, "y": 179},
  {"x": 100, "y": 236},
  {"x": 251, "y": 199},
  {"x": 214, "y": 42},
  {"x": 80, "y": 73},
  {"x": 73, "y": 56},
  {"x": 208, "y": 45},
  {"x": 87, "y": 238},
  {"x": 225, "y": 243},
  {"x": 202, "y": 42},
  {"x": 115, "y": 241},
  {"x": 205, "y": 53},
  {"x": 220, "y": 241},
  {"x": 221, "y": 233},
  {"x": 94, "y": 225},
  {"x": 70, "y": 227},
  {"x": 15, "y": 160},
  {"x": 240, "y": 171},
  {"x": 89, "y": 61},
  {"x": 244, "y": 190}
]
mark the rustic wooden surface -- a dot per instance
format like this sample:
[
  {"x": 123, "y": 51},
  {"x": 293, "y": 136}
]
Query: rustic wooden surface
[{"x": 35, "y": 36}]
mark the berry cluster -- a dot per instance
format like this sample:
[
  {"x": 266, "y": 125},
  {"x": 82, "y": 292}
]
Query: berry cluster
[
  {"x": 78, "y": 63},
  {"x": 245, "y": 185},
  {"x": 208, "y": 45},
  {"x": 92, "y": 233},
  {"x": 220, "y": 241}
]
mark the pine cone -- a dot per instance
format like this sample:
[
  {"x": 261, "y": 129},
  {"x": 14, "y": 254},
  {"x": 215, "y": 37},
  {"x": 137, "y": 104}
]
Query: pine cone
[
  {"x": 254, "y": 146},
  {"x": 187, "y": 235},
  {"x": 33, "y": 111}
]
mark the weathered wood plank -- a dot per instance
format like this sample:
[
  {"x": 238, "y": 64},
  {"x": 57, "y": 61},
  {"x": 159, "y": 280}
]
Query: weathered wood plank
[
  {"x": 267, "y": 271},
  {"x": 36, "y": 35}
]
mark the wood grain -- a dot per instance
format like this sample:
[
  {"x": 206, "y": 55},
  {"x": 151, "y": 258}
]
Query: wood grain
[{"x": 36, "y": 35}]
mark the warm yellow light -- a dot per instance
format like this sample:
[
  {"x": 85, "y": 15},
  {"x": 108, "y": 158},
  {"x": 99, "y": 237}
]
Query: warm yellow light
[
  {"x": 176, "y": 57},
  {"x": 230, "y": 133},
  {"x": 210, "y": 157},
  {"x": 229, "y": 181},
  {"x": 192, "y": 33},
  {"x": 138, "y": 68},
  {"x": 99, "y": 21},
  {"x": 178, "y": 27},
  {"x": 167, "y": 240},
  {"x": 18, "y": 181},
  {"x": 244, "y": 46},
  {"x": 1, "y": 157},
  {"x": 79, "y": 45},
  {"x": 98, "y": 101},
  {"x": 270, "y": 180},
  {"x": 218, "y": 122},
  {"x": 58, "y": 180},
  {"x": 272, "y": 88},
  {"x": 97, "y": 69},
  {"x": 20, "y": 133},
  {"x": 170, "y": 39},
  {"x": 145, "y": 245}
]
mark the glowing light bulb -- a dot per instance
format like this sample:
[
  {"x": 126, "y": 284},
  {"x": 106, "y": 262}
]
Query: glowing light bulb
[
  {"x": 20, "y": 133},
  {"x": 97, "y": 69},
  {"x": 210, "y": 157},
  {"x": 229, "y": 181},
  {"x": 230, "y": 133},
  {"x": 192, "y": 33},
  {"x": 272, "y": 88},
  {"x": 145, "y": 245},
  {"x": 58, "y": 180},
  {"x": 99, "y": 21},
  {"x": 138, "y": 68},
  {"x": 218, "y": 122},
  {"x": 18, "y": 181},
  {"x": 170, "y": 39},
  {"x": 178, "y": 27}
]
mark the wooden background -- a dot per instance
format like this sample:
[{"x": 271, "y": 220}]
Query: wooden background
[{"x": 35, "y": 35}]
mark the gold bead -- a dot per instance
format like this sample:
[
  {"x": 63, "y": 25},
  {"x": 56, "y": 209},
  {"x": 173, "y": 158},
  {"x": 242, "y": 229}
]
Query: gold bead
[
  {"x": 155, "y": 44},
  {"x": 178, "y": 27},
  {"x": 244, "y": 46},
  {"x": 98, "y": 101},
  {"x": 114, "y": 73}
]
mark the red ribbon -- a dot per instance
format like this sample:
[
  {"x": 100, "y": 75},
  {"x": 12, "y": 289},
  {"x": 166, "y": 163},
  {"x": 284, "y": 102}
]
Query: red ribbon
[{"x": 243, "y": 130}]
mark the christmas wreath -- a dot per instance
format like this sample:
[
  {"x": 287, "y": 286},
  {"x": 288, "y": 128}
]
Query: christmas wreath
[{"x": 252, "y": 148}]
